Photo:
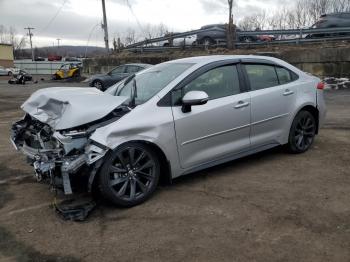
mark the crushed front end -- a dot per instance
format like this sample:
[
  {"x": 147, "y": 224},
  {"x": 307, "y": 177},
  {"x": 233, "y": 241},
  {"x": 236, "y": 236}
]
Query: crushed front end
[{"x": 56, "y": 156}]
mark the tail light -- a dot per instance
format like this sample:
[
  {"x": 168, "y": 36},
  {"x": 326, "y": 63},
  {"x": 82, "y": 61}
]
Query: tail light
[{"x": 320, "y": 85}]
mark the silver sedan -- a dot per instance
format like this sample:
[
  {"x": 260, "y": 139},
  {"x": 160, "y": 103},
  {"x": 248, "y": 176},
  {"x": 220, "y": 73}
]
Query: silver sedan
[{"x": 169, "y": 120}]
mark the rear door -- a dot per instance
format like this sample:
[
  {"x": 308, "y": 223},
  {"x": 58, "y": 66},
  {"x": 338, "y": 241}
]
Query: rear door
[
  {"x": 219, "y": 128},
  {"x": 273, "y": 98}
]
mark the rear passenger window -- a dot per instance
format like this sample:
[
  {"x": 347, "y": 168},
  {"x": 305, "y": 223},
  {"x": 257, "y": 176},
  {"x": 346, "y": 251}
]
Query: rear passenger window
[
  {"x": 261, "y": 76},
  {"x": 219, "y": 82}
]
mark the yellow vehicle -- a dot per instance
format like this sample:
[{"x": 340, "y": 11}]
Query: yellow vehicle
[{"x": 68, "y": 70}]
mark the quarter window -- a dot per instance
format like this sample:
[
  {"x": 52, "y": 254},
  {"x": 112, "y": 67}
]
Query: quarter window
[
  {"x": 261, "y": 76},
  {"x": 284, "y": 76},
  {"x": 219, "y": 82}
]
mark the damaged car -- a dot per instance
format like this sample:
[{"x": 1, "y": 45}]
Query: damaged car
[{"x": 169, "y": 120}]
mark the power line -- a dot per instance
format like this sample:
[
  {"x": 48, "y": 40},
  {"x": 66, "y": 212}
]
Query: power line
[
  {"x": 132, "y": 12},
  {"x": 54, "y": 17},
  {"x": 30, "y": 34}
]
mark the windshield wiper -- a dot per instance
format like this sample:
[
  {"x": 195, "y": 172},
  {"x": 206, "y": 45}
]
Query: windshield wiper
[{"x": 133, "y": 93}]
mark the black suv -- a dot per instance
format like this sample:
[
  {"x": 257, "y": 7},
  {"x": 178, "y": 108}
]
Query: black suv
[{"x": 331, "y": 21}]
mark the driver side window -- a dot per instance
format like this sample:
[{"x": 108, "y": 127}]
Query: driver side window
[{"x": 218, "y": 82}]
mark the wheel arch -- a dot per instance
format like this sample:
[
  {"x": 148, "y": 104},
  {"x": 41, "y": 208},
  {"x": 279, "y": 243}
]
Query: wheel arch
[
  {"x": 313, "y": 110},
  {"x": 165, "y": 166}
]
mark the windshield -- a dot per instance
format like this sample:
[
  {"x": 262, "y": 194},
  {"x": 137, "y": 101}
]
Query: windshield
[{"x": 150, "y": 82}]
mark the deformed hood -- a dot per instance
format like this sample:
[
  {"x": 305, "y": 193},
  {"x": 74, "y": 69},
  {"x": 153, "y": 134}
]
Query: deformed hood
[{"x": 67, "y": 107}]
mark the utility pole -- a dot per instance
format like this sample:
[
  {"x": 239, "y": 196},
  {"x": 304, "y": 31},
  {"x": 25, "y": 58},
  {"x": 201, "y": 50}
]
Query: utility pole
[
  {"x": 104, "y": 25},
  {"x": 58, "y": 45},
  {"x": 30, "y": 34}
]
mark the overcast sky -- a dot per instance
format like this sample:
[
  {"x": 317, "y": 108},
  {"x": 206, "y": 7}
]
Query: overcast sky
[{"x": 74, "y": 20}]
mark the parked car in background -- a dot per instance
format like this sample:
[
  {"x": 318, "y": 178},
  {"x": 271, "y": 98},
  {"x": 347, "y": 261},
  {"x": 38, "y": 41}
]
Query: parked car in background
[
  {"x": 39, "y": 58},
  {"x": 54, "y": 58},
  {"x": 71, "y": 59},
  {"x": 103, "y": 81},
  {"x": 8, "y": 71},
  {"x": 217, "y": 34},
  {"x": 169, "y": 120},
  {"x": 332, "y": 20},
  {"x": 183, "y": 41}
]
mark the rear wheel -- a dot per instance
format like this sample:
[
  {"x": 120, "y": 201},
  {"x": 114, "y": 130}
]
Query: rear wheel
[
  {"x": 302, "y": 132},
  {"x": 130, "y": 174},
  {"x": 9, "y": 73}
]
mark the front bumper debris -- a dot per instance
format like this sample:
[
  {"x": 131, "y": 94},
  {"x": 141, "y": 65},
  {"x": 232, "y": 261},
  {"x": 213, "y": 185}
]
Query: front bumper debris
[{"x": 55, "y": 157}]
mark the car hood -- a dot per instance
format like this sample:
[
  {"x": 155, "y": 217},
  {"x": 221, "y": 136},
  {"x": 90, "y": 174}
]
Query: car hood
[{"x": 68, "y": 107}]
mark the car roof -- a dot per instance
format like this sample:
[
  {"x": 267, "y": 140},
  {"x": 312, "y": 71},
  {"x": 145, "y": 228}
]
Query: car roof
[
  {"x": 203, "y": 60},
  {"x": 139, "y": 64},
  {"x": 214, "y": 58}
]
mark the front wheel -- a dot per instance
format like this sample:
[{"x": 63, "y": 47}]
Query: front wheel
[
  {"x": 130, "y": 174},
  {"x": 302, "y": 132}
]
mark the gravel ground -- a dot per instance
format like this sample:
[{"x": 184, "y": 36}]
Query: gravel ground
[{"x": 272, "y": 206}]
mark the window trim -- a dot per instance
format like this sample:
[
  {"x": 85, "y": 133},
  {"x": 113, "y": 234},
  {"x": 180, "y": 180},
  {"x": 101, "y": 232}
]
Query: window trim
[
  {"x": 294, "y": 76},
  {"x": 166, "y": 101},
  {"x": 118, "y": 67}
]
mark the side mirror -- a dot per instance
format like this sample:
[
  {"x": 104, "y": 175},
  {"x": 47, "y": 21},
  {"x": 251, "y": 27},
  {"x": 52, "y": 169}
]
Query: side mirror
[{"x": 193, "y": 98}]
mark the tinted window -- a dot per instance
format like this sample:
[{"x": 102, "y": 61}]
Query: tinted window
[
  {"x": 284, "y": 76},
  {"x": 151, "y": 81},
  {"x": 132, "y": 69},
  {"x": 118, "y": 70},
  {"x": 261, "y": 76},
  {"x": 218, "y": 82}
]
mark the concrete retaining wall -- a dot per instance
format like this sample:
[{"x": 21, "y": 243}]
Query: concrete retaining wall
[{"x": 319, "y": 60}]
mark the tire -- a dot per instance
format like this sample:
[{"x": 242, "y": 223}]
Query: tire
[
  {"x": 302, "y": 132},
  {"x": 9, "y": 73},
  {"x": 76, "y": 74},
  {"x": 129, "y": 174},
  {"x": 55, "y": 77},
  {"x": 98, "y": 84}
]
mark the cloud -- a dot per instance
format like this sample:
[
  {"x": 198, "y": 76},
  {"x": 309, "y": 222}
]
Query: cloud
[{"x": 75, "y": 21}]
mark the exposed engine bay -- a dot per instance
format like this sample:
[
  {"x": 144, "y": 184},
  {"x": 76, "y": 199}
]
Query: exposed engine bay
[{"x": 58, "y": 155}]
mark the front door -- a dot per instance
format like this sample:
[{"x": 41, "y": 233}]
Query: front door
[{"x": 219, "y": 128}]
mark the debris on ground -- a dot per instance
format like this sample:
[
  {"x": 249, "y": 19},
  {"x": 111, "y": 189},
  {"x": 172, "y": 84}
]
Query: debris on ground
[
  {"x": 337, "y": 83},
  {"x": 75, "y": 209}
]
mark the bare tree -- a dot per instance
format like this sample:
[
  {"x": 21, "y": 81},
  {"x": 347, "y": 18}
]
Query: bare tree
[
  {"x": 230, "y": 27},
  {"x": 130, "y": 37},
  {"x": 10, "y": 36}
]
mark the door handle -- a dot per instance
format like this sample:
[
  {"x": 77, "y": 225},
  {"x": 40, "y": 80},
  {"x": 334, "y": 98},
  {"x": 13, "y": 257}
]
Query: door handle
[
  {"x": 241, "y": 104},
  {"x": 288, "y": 92}
]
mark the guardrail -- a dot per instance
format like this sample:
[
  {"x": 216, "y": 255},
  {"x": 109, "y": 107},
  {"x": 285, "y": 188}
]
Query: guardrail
[{"x": 299, "y": 33}]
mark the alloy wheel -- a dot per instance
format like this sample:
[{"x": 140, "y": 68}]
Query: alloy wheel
[
  {"x": 132, "y": 174},
  {"x": 304, "y": 132}
]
